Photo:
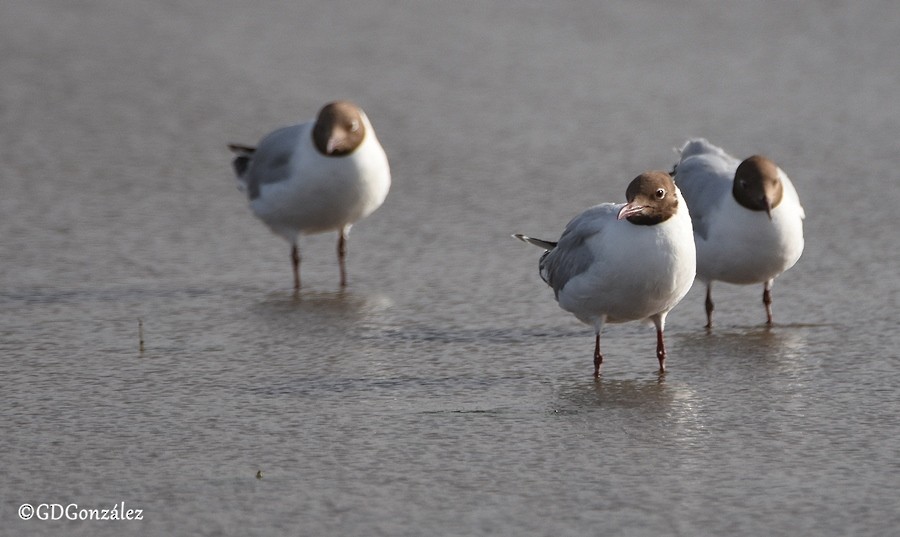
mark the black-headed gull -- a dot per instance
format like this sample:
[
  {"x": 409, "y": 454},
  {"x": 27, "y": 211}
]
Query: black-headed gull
[
  {"x": 624, "y": 262},
  {"x": 313, "y": 177},
  {"x": 748, "y": 222}
]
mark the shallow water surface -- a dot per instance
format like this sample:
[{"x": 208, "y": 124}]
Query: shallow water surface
[{"x": 443, "y": 392}]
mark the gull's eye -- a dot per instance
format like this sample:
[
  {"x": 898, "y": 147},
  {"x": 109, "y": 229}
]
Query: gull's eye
[
  {"x": 660, "y": 193},
  {"x": 354, "y": 126},
  {"x": 743, "y": 184}
]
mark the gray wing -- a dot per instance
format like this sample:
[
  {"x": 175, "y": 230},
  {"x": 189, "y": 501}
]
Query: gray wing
[
  {"x": 571, "y": 256},
  {"x": 704, "y": 176},
  {"x": 270, "y": 161}
]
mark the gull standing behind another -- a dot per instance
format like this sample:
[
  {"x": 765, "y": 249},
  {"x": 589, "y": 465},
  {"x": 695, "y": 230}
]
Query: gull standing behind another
[
  {"x": 624, "y": 262},
  {"x": 748, "y": 221},
  {"x": 313, "y": 177}
]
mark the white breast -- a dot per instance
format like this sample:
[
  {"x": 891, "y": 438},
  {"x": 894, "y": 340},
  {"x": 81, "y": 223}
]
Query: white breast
[
  {"x": 639, "y": 271},
  {"x": 744, "y": 246},
  {"x": 325, "y": 193}
]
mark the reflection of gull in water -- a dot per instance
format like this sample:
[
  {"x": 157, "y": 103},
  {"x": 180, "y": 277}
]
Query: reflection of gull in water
[
  {"x": 308, "y": 310},
  {"x": 342, "y": 300},
  {"x": 777, "y": 360},
  {"x": 656, "y": 407},
  {"x": 785, "y": 348},
  {"x": 627, "y": 393}
]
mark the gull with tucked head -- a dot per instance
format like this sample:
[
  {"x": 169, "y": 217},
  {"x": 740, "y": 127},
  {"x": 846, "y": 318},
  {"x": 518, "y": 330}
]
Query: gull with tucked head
[
  {"x": 323, "y": 175},
  {"x": 748, "y": 221}
]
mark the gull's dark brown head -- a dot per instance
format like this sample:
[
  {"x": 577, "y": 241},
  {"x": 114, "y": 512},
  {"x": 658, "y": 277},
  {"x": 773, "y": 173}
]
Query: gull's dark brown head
[
  {"x": 757, "y": 185},
  {"x": 339, "y": 129},
  {"x": 652, "y": 199}
]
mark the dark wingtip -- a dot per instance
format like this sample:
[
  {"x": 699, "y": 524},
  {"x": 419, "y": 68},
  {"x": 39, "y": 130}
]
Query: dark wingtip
[
  {"x": 240, "y": 165},
  {"x": 242, "y": 160},
  {"x": 241, "y": 149},
  {"x": 546, "y": 245}
]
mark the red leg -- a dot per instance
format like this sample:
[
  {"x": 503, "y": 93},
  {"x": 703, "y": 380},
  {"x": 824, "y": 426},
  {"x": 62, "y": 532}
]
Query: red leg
[
  {"x": 709, "y": 305},
  {"x": 295, "y": 262},
  {"x": 342, "y": 254},
  {"x": 660, "y": 350},
  {"x": 598, "y": 358},
  {"x": 767, "y": 301}
]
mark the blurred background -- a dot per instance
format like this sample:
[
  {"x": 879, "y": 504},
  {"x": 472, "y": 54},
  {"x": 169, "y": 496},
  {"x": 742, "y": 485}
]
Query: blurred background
[{"x": 444, "y": 391}]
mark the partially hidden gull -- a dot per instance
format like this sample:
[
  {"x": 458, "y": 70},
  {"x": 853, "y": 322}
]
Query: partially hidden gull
[
  {"x": 624, "y": 262},
  {"x": 747, "y": 217},
  {"x": 323, "y": 175}
]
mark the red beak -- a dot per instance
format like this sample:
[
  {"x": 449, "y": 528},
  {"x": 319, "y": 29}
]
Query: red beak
[
  {"x": 630, "y": 209},
  {"x": 334, "y": 143}
]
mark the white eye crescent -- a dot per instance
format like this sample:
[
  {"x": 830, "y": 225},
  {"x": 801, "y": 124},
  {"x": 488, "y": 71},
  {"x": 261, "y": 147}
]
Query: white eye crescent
[
  {"x": 660, "y": 193},
  {"x": 354, "y": 126}
]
